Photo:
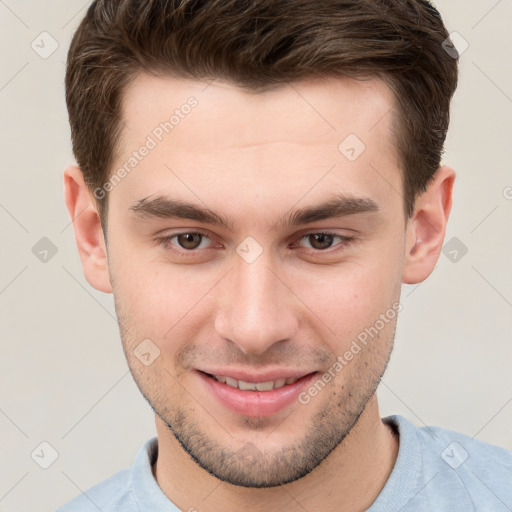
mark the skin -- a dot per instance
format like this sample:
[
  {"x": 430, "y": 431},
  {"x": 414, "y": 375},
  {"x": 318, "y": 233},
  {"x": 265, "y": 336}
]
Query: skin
[{"x": 253, "y": 158}]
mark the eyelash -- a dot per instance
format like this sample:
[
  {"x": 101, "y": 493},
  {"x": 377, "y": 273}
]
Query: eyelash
[{"x": 345, "y": 241}]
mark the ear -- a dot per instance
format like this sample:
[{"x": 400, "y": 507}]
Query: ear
[
  {"x": 88, "y": 231},
  {"x": 427, "y": 227}
]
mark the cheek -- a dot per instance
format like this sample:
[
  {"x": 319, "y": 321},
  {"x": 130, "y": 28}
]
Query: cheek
[
  {"x": 157, "y": 298},
  {"x": 349, "y": 299},
  {"x": 161, "y": 300}
]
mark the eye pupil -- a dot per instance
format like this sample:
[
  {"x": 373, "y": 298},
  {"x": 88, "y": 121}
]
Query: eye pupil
[
  {"x": 189, "y": 240},
  {"x": 321, "y": 240}
]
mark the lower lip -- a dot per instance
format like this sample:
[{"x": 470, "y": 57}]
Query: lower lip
[{"x": 256, "y": 403}]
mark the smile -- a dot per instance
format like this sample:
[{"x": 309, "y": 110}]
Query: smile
[
  {"x": 260, "y": 398},
  {"x": 254, "y": 386}
]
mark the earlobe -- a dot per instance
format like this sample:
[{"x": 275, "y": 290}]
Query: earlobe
[
  {"x": 427, "y": 227},
  {"x": 88, "y": 230}
]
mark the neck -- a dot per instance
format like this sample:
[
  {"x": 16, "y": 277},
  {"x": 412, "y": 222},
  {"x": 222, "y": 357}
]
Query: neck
[{"x": 349, "y": 479}]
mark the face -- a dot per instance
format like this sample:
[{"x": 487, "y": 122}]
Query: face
[{"x": 245, "y": 244}]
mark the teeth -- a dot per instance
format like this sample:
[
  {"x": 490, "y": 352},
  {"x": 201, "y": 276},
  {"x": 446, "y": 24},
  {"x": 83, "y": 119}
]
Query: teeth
[
  {"x": 254, "y": 386},
  {"x": 279, "y": 383},
  {"x": 231, "y": 382},
  {"x": 247, "y": 386},
  {"x": 265, "y": 386}
]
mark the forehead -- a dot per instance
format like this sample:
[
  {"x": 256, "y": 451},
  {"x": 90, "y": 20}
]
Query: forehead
[
  {"x": 223, "y": 144},
  {"x": 327, "y": 105}
]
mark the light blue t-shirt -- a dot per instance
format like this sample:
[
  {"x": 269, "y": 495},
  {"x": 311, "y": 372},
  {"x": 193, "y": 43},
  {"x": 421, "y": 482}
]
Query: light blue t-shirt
[{"x": 436, "y": 470}]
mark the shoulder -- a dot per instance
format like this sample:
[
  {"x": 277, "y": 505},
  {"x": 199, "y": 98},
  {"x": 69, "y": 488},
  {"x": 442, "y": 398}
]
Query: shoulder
[
  {"x": 114, "y": 493},
  {"x": 456, "y": 450},
  {"x": 123, "y": 490},
  {"x": 455, "y": 466}
]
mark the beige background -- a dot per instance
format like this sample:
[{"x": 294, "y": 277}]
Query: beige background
[{"x": 63, "y": 375}]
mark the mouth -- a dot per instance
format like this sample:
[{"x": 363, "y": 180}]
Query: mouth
[
  {"x": 268, "y": 385},
  {"x": 256, "y": 396}
]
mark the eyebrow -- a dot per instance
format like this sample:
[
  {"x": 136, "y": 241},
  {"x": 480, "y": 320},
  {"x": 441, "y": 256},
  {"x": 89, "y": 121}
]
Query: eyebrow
[{"x": 335, "y": 207}]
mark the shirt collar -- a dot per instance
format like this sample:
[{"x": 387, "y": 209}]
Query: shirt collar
[{"x": 405, "y": 476}]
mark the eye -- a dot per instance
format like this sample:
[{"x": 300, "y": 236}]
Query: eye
[
  {"x": 323, "y": 241},
  {"x": 184, "y": 242},
  {"x": 191, "y": 242}
]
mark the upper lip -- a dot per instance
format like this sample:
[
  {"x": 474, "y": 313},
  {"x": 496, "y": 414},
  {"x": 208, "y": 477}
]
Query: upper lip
[{"x": 265, "y": 376}]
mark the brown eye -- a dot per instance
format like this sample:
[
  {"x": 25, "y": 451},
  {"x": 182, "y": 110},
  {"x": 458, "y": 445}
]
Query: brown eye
[
  {"x": 325, "y": 242},
  {"x": 320, "y": 241},
  {"x": 190, "y": 241}
]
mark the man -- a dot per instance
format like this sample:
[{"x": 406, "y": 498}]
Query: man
[{"x": 255, "y": 181}]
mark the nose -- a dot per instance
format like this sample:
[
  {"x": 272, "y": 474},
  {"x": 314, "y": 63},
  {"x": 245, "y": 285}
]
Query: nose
[{"x": 257, "y": 308}]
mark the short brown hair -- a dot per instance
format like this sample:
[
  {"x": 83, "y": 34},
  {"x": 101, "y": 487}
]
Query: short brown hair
[{"x": 259, "y": 44}]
